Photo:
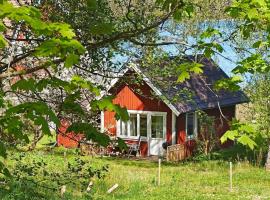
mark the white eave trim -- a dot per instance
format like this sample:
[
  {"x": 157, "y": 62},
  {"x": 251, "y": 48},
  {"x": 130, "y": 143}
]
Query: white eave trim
[{"x": 155, "y": 89}]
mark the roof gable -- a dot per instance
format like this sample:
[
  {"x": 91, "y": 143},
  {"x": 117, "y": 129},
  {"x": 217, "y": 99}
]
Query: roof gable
[
  {"x": 147, "y": 80},
  {"x": 200, "y": 85}
]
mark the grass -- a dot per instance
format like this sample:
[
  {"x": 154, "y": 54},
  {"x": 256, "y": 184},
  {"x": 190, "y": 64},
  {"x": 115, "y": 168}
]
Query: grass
[{"x": 138, "y": 179}]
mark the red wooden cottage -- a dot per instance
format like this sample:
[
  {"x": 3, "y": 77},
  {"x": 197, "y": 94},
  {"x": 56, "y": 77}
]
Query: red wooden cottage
[{"x": 158, "y": 118}]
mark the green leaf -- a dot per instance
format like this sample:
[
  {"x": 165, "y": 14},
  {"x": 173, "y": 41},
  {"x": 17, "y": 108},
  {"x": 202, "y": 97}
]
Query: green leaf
[
  {"x": 25, "y": 84},
  {"x": 230, "y": 84},
  {"x": 59, "y": 47},
  {"x": 257, "y": 44},
  {"x": 247, "y": 141},
  {"x": 229, "y": 135},
  {"x": 33, "y": 110},
  {"x": 44, "y": 125},
  {"x": 71, "y": 60},
  {"x": 210, "y": 32},
  {"x": 101, "y": 28},
  {"x": 106, "y": 104},
  {"x": 64, "y": 29},
  {"x": 121, "y": 144},
  {"x": 3, "y": 41},
  {"x": 53, "y": 82},
  {"x": 2, "y": 27},
  {"x": 196, "y": 68},
  {"x": 80, "y": 82},
  {"x": 90, "y": 133},
  {"x": 6, "y": 172},
  {"x": 92, "y": 4},
  {"x": 178, "y": 15},
  {"x": 253, "y": 13},
  {"x": 70, "y": 106},
  {"x": 252, "y": 64},
  {"x": 3, "y": 151},
  {"x": 183, "y": 76}
]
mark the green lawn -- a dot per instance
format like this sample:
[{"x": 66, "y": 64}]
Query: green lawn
[{"x": 137, "y": 179}]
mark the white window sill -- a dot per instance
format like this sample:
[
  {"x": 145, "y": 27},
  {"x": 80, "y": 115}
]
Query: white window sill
[
  {"x": 192, "y": 137},
  {"x": 132, "y": 138}
]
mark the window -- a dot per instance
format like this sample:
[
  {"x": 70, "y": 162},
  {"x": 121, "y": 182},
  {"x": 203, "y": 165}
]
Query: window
[
  {"x": 123, "y": 128},
  {"x": 133, "y": 124},
  {"x": 141, "y": 123},
  {"x": 191, "y": 125},
  {"x": 157, "y": 127}
]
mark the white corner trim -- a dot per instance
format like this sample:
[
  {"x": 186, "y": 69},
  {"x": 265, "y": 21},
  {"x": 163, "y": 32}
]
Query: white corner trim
[
  {"x": 102, "y": 121},
  {"x": 173, "y": 128}
]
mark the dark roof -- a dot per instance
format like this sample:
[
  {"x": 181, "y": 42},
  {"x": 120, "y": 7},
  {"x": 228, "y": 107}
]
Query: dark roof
[{"x": 197, "y": 92}]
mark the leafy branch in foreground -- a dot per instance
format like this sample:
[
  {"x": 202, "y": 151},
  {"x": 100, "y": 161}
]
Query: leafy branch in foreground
[
  {"x": 243, "y": 133},
  {"x": 35, "y": 56}
]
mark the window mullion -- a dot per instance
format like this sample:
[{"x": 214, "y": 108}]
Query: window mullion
[
  {"x": 195, "y": 124},
  {"x": 138, "y": 125},
  {"x": 128, "y": 127},
  {"x": 118, "y": 127}
]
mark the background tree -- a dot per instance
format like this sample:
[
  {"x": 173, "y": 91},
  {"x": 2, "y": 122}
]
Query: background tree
[{"x": 110, "y": 31}]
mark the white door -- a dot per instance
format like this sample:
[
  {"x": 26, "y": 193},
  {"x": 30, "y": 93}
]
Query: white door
[{"x": 157, "y": 134}]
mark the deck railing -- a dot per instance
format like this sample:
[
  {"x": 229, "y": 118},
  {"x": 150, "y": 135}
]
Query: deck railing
[{"x": 176, "y": 152}]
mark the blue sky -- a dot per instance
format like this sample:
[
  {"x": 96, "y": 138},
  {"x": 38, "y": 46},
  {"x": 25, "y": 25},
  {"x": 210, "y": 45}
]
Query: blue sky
[{"x": 223, "y": 26}]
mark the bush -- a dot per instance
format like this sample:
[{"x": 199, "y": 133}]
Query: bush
[
  {"x": 236, "y": 153},
  {"x": 34, "y": 178}
]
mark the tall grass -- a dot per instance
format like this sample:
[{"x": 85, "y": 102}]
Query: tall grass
[{"x": 138, "y": 180}]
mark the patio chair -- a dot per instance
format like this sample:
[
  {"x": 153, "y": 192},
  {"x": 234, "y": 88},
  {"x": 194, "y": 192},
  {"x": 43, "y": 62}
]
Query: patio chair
[{"x": 135, "y": 147}]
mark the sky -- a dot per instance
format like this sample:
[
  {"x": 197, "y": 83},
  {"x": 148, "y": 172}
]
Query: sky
[{"x": 225, "y": 27}]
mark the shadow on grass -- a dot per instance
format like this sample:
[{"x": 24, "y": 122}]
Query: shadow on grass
[{"x": 143, "y": 163}]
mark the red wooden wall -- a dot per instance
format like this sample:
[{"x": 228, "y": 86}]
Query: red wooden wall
[
  {"x": 125, "y": 96},
  {"x": 221, "y": 126},
  {"x": 68, "y": 140}
]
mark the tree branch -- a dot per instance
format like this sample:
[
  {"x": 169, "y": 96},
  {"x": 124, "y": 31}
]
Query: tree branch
[
  {"x": 27, "y": 71},
  {"x": 133, "y": 33},
  {"x": 157, "y": 44}
]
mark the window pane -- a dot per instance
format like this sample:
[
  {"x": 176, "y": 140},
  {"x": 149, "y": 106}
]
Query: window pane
[
  {"x": 143, "y": 125},
  {"x": 123, "y": 128},
  {"x": 190, "y": 125},
  {"x": 133, "y": 124},
  {"x": 157, "y": 127}
]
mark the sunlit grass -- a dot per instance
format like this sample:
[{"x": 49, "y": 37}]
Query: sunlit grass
[{"x": 138, "y": 179}]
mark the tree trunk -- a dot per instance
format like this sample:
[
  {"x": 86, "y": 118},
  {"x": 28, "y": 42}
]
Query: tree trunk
[{"x": 267, "y": 164}]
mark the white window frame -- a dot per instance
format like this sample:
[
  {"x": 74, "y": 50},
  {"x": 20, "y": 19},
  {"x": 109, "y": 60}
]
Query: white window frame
[
  {"x": 149, "y": 124},
  {"x": 195, "y": 130}
]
